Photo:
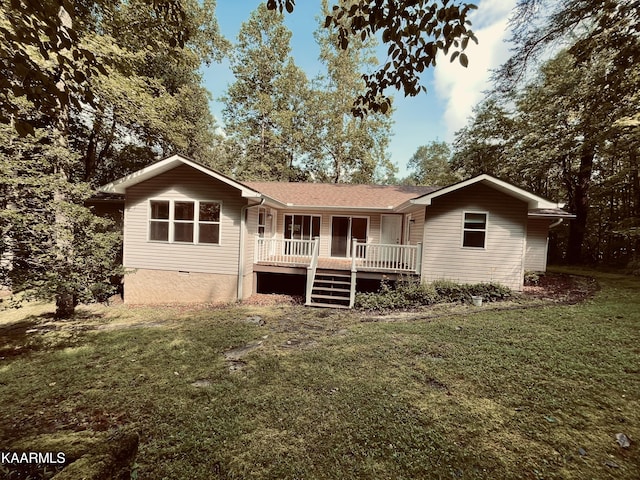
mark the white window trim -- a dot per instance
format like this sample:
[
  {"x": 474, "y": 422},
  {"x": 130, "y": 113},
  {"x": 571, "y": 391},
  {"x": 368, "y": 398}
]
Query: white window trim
[
  {"x": 172, "y": 221},
  {"x": 158, "y": 220},
  {"x": 284, "y": 223},
  {"x": 486, "y": 229}
]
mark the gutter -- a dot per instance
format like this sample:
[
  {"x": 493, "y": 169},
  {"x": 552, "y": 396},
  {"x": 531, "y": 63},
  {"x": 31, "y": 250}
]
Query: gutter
[
  {"x": 323, "y": 208},
  {"x": 243, "y": 215}
]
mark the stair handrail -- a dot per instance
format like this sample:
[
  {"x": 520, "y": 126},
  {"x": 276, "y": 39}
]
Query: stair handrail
[{"x": 311, "y": 269}]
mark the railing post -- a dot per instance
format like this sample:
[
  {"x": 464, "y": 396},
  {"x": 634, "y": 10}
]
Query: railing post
[
  {"x": 354, "y": 270},
  {"x": 354, "y": 246},
  {"x": 311, "y": 269},
  {"x": 418, "y": 266}
]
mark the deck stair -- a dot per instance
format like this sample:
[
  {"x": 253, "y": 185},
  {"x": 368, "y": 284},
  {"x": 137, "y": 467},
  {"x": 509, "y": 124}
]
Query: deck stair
[{"x": 332, "y": 289}]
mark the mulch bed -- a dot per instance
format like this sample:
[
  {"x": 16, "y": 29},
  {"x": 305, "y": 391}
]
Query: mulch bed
[
  {"x": 551, "y": 287},
  {"x": 562, "y": 288}
]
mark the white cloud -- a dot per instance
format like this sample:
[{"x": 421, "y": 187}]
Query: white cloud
[{"x": 462, "y": 88}]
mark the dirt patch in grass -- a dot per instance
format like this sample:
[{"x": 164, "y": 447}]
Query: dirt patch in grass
[
  {"x": 270, "y": 299},
  {"x": 562, "y": 288}
]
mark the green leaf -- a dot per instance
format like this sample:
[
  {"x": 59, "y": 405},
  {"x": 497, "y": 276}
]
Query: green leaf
[{"x": 24, "y": 128}]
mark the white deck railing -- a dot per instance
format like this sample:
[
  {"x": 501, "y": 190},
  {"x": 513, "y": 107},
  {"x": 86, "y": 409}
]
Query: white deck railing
[
  {"x": 368, "y": 256},
  {"x": 380, "y": 257},
  {"x": 279, "y": 250}
]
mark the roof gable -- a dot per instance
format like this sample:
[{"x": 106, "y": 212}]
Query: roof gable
[
  {"x": 121, "y": 185},
  {"x": 533, "y": 201}
]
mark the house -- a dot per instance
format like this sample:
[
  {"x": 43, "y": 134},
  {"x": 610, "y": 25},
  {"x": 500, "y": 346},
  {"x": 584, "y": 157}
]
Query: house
[{"x": 192, "y": 234}]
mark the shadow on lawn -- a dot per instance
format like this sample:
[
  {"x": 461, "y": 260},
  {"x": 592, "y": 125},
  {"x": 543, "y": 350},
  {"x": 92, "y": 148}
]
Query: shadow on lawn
[{"x": 37, "y": 332}]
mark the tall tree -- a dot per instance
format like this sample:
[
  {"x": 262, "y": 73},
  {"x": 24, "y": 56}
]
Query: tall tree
[
  {"x": 584, "y": 27},
  {"x": 567, "y": 118},
  {"x": 431, "y": 165},
  {"x": 343, "y": 148},
  {"x": 262, "y": 111},
  {"x": 151, "y": 103},
  {"x": 566, "y": 139},
  {"x": 102, "y": 79},
  {"x": 415, "y": 32},
  {"x": 479, "y": 147},
  {"x": 41, "y": 44}
]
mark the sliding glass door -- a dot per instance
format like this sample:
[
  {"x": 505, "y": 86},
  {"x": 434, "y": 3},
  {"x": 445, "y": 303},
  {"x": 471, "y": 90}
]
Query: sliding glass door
[{"x": 344, "y": 230}]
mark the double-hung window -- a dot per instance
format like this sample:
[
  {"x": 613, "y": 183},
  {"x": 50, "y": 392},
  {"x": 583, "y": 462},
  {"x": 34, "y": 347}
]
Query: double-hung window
[
  {"x": 184, "y": 221},
  {"x": 159, "y": 221},
  {"x": 474, "y": 230},
  {"x": 209, "y": 222}
]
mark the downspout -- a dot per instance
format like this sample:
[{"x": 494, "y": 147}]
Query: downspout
[
  {"x": 556, "y": 223},
  {"x": 243, "y": 222}
]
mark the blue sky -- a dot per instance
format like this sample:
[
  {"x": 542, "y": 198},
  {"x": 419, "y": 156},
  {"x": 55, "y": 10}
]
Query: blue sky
[{"x": 451, "y": 89}]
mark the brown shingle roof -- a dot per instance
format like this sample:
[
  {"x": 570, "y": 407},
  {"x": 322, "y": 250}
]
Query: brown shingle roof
[{"x": 340, "y": 195}]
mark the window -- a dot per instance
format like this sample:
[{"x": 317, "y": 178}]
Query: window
[
  {"x": 184, "y": 221},
  {"x": 262, "y": 222},
  {"x": 209, "y": 222},
  {"x": 159, "y": 223},
  {"x": 183, "y": 217},
  {"x": 301, "y": 227},
  {"x": 474, "y": 230}
]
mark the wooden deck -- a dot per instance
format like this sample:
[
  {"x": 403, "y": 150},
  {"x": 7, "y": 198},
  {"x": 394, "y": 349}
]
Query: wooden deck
[{"x": 303, "y": 262}]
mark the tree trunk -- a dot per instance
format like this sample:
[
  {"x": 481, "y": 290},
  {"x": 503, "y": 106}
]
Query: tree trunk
[
  {"x": 578, "y": 227},
  {"x": 635, "y": 183},
  {"x": 635, "y": 203},
  {"x": 62, "y": 230},
  {"x": 65, "y": 305},
  {"x": 91, "y": 156}
]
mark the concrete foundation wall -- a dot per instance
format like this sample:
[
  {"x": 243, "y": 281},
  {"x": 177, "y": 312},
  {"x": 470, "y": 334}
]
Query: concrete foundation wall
[{"x": 162, "y": 287}]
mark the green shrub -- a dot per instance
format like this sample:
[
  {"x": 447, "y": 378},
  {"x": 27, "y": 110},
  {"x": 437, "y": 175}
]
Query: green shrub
[
  {"x": 532, "y": 278},
  {"x": 452, "y": 292},
  {"x": 410, "y": 293},
  {"x": 449, "y": 291},
  {"x": 406, "y": 293},
  {"x": 490, "y": 292}
]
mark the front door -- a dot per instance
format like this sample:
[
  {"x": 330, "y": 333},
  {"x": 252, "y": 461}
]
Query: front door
[
  {"x": 391, "y": 229},
  {"x": 343, "y": 231}
]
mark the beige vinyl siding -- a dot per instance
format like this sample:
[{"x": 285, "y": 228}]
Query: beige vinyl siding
[
  {"x": 535, "y": 259},
  {"x": 182, "y": 183},
  {"x": 417, "y": 227},
  {"x": 251, "y": 234},
  {"x": 502, "y": 259}
]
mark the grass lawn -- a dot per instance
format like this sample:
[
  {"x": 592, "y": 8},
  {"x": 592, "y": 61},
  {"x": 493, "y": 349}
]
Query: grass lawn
[{"x": 535, "y": 393}]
